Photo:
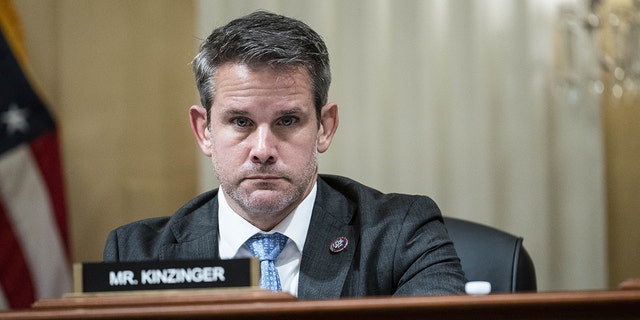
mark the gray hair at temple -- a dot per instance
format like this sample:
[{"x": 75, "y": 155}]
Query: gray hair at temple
[{"x": 263, "y": 39}]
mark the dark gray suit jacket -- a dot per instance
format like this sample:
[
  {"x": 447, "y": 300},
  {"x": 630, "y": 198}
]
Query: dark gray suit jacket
[{"x": 397, "y": 244}]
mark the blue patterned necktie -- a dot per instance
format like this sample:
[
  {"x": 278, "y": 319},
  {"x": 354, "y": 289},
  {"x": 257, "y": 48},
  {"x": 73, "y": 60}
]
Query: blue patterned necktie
[{"x": 267, "y": 247}]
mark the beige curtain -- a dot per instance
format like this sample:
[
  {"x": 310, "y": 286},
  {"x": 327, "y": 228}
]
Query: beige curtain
[{"x": 467, "y": 102}]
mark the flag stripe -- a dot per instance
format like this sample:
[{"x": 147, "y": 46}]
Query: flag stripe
[
  {"x": 30, "y": 213},
  {"x": 46, "y": 153},
  {"x": 15, "y": 278},
  {"x": 4, "y": 304}
]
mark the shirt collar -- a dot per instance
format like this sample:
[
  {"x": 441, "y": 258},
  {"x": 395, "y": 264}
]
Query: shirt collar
[{"x": 235, "y": 230}]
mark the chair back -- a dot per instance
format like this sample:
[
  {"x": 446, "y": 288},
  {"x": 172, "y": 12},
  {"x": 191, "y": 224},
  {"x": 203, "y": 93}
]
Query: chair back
[{"x": 489, "y": 254}]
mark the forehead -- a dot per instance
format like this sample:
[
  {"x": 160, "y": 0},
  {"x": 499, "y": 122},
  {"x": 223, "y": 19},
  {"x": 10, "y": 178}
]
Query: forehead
[{"x": 235, "y": 81}]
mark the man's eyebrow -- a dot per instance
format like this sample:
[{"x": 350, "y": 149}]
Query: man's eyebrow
[
  {"x": 290, "y": 111},
  {"x": 239, "y": 112},
  {"x": 235, "y": 112}
]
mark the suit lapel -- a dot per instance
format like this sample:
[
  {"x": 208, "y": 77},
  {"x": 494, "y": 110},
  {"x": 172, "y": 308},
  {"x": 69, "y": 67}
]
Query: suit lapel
[
  {"x": 196, "y": 233},
  {"x": 323, "y": 272}
]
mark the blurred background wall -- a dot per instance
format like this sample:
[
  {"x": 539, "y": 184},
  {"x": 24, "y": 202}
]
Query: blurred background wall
[
  {"x": 503, "y": 111},
  {"x": 118, "y": 80}
]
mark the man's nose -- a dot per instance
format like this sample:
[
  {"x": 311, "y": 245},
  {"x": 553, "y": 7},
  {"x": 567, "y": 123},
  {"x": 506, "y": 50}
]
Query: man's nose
[{"x": 263, "y": 150}]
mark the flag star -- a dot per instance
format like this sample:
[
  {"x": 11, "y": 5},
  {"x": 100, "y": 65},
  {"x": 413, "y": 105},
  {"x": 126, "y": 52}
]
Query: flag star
[{"x": 15, "y": 119}]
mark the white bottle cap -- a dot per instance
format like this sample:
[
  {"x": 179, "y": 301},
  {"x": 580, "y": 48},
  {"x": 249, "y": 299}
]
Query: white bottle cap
[{"x": 477, "y": 287}]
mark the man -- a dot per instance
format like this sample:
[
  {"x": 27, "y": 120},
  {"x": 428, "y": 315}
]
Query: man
[{"x": 263, "y": 81}]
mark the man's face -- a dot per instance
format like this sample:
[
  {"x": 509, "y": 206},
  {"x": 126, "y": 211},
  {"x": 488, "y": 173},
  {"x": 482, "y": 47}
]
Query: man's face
[{"x": 263, "y": 139}]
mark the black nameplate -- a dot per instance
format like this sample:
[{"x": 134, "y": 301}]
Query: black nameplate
[{"x": 166, "y": 275}]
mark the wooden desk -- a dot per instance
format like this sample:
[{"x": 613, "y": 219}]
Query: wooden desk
[{"x": 623, "y": 304}]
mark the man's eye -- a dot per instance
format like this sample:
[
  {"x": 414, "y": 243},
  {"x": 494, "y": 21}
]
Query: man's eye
[
  {"x": 240, "y": 122},
  {"x": 288, "y": 120}
]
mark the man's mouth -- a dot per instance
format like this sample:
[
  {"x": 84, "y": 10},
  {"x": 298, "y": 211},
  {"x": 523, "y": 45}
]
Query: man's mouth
[{"x": 263, "y": 177}]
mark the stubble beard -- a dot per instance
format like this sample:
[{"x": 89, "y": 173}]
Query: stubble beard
[{"x": 274, "y": 206}]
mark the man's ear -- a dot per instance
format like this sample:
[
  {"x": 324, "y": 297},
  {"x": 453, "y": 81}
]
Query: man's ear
[
  {"x": 200, "y": 128},
  {"x": 328, "y": 126}
]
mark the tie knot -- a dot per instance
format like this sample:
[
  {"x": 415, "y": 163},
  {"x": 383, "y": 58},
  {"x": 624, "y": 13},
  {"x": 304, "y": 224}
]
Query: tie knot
[{"x": 267, "y": 246}]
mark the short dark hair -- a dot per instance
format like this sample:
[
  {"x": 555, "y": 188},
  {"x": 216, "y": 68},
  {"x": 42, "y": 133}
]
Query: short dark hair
[{"x": 263, "y": 39}]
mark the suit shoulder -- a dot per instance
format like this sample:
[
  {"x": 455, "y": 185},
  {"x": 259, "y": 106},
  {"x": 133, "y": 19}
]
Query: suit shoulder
[
  {"x": 144, "y": 226},
  {"x": 143, "y": 239},
  {"x": 358, "y": 192},
  {"x": 156, "y": 225}
]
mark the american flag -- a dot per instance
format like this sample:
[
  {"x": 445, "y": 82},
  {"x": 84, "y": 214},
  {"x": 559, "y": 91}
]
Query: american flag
[{"x": 34, "y": 248}]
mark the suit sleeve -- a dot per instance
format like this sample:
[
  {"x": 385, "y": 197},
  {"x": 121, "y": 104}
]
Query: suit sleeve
[{"x": 426, "y": 262}]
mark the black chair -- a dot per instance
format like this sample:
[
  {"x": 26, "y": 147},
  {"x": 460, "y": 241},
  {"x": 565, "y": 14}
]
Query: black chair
[{"x": 489, "y": 254}]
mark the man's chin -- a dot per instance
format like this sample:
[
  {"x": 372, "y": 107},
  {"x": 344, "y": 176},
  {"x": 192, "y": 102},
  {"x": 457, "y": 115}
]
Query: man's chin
[
  {"x": 263, "y": 184},
  {"x": 266, "y": 202},
  {"x": 267, "y": 197}
]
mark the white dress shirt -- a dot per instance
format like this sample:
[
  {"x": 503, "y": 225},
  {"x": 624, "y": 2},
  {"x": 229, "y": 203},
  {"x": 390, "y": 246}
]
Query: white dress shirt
[{"x": 235, "y": 231}]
